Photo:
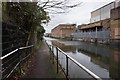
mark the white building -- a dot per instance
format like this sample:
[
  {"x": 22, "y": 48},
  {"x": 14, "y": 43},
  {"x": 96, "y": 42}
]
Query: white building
[{"x": 102, "y": 13}]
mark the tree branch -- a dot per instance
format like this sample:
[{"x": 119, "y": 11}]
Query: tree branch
[{"x": 58, "y": 6}]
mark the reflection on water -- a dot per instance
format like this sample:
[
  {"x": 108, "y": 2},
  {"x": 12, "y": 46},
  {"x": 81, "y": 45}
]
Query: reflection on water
[
  {"x": 102, "y": 60},
  {"x": 65, "y": 48},
  {"x": 115, "y": 65}
]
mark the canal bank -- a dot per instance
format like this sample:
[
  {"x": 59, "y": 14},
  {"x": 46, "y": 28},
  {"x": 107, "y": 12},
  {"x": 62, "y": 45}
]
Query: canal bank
[{"x": 42, "y": 66}]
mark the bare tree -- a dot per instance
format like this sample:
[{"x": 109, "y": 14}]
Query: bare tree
[
  {"x": 53, "y": 6},
  {"x": 57, "y": 6}
]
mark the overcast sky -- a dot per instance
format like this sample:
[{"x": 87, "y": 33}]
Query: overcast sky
[{"x": 78, "y": 15}]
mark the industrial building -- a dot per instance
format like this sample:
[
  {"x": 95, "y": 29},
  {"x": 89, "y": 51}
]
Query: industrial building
[
  {"x": 63, "y": 30},
  {"x": 104, "y": 26},
  {"x": 115, "y": 25}
]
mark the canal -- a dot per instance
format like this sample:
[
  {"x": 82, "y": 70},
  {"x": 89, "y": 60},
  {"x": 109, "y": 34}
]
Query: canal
[{"x": 103, "y": 60}]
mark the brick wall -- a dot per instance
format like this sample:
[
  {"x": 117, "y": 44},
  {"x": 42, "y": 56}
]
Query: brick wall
[
  {"x": 63, "y": 30},
  {"x": 115, "y": 23}
]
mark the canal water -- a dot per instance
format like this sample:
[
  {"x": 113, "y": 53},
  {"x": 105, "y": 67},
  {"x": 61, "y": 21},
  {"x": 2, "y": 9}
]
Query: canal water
[{"x": 103, "y": 60}]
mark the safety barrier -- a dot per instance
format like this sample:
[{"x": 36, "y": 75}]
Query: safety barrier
[
  {"x": 64, "y": 63},
  {"x": 13, "y": 60}
]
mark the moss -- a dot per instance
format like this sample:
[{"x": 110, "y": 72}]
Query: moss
[{"x": 38, "y": 44}]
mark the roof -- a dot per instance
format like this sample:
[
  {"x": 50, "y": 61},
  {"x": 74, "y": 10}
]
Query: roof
[
  {"x": 61, "y": 25},
  {"x": 90, "y": 25},
  {"x": 67, "y": 25},
  {"x": 104, "y": 6}
]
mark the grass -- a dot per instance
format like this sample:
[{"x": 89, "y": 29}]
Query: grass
[{"x": 38, "y": 44}]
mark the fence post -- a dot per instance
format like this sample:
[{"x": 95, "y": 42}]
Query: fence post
[
  {"x": 57, "y": 58},
  {"x": 66, "y": 66}
]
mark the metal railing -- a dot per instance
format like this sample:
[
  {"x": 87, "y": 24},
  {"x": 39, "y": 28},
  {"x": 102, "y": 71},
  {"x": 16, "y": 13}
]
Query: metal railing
[
  {"x": 56, "y": 53},
  {"x": 13, "y": 60},
  {"x": 99, "y": 34}
]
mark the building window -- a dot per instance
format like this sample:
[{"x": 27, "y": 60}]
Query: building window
[{"x": 117, "y": 31}]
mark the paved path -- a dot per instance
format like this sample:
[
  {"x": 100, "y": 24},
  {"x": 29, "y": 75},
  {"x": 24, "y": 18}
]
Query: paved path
[{"x": 42, "y": 67}]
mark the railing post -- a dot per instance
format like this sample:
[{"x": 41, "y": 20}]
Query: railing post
[
  {"x": 66, "y": 66},
  {"x": 57, "y": 58},
  {"x": 19, "y": 59},
  {"x": 25, "y": 56},
  {"x": 28, "y": 51},
  {"x": 50, "y": 51},
  {"x": 53, "y": 53}
]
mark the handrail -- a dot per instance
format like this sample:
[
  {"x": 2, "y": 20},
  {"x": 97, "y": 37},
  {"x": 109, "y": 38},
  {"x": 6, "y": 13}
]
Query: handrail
[
  {"x": 8, "y": 54},
  {"x": 85, "y": 69},
  {"x": 80, "y": 65},
  {"x": 19, "y": 58},
  {"x": 15, "y": 51},
  {"x": 26, "y": 47}
]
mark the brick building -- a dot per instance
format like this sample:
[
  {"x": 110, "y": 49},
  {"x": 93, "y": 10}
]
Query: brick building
[
  {"x": 98, "y": 30},
  {"x": 102, "y": 13},
  {"x": 63, "y": 30},
  {"x": 115, "y": 25},
  {"x": 104, "y": 26}
]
